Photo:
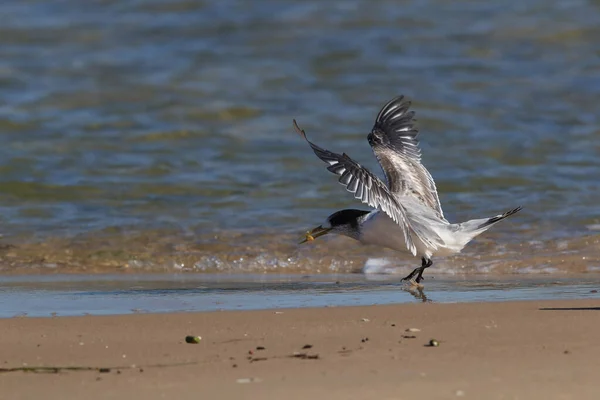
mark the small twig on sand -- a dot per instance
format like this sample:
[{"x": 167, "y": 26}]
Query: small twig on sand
[{"x": 58, "y": 369}]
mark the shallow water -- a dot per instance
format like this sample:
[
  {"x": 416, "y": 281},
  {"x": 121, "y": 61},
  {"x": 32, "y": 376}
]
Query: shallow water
[
  {"x": 156, "y": 136},
  {"x": 119, "y": 294}
]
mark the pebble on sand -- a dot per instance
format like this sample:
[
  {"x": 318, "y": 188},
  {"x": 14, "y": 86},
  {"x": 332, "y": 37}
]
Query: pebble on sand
[{"x": 193, "y": 339}]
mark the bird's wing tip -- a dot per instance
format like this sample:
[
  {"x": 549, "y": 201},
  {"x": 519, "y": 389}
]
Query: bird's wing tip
[{"x": 298, "y": 130}]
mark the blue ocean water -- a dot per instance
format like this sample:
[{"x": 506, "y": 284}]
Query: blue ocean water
[{"x": 156, "y": 136}]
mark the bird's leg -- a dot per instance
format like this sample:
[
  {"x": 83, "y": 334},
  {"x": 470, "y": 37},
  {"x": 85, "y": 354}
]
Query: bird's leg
[
  {"x": 425, "y": 263},
  {"x": 416, "y": 270}
]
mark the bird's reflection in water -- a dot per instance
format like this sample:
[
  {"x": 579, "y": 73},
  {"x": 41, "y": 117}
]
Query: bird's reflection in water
[{"x": 418, "y": 293}]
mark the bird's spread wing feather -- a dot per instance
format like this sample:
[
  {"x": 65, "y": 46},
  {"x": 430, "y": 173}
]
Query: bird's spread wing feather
[
  {"x": 365, "y": 186},
  {"x": 395, "y": 144}
]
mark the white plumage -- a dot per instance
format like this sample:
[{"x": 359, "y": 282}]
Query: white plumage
[{"x": 408, "y": 216}]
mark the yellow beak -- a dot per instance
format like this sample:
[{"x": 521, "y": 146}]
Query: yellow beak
[{"x": 315, "y": 233}]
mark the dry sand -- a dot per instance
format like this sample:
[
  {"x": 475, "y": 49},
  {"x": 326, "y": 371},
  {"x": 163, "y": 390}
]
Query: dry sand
[{"x": 520, "y": 350}]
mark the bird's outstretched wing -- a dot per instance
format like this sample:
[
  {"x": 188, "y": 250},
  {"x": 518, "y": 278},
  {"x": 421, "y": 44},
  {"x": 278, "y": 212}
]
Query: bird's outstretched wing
[
  {"x": 365, "y": 186},
  {"x": 395, "y": 144}
]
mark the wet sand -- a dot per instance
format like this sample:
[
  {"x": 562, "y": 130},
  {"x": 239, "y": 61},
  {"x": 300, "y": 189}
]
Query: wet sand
[{"x": 526, "y": 350}]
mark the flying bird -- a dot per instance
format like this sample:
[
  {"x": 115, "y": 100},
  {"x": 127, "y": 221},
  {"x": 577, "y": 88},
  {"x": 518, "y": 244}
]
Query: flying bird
[{"x": 407, "y": 215}]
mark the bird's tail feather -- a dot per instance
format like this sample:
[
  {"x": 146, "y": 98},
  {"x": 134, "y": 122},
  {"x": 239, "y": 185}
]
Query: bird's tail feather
[
  {"x": 491, "y": 221},
  {"x": 474, "y": 227}
]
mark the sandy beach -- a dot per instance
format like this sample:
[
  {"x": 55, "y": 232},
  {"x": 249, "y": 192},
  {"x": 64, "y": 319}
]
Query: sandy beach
[{"x": 511, "y": 350}]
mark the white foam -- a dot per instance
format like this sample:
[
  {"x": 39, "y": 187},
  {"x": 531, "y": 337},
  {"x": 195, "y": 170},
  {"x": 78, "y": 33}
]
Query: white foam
[
  {"x": 380, "y": 266},
  {"x": 538, "y": 270}
]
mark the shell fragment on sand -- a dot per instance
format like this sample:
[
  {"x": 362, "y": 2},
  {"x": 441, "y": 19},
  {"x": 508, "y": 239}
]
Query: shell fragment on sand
[{"x": 249, "y": 380}]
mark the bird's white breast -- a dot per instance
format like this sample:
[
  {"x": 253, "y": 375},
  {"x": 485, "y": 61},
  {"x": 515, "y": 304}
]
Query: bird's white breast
[{"x": 380, "y": 230}]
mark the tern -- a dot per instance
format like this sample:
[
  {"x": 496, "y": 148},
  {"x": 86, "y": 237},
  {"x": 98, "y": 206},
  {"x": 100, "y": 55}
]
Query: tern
[{"x": 407, "y": 215}]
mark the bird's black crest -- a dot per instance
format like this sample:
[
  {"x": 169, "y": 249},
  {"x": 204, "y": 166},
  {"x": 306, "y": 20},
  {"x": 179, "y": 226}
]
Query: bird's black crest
[{"x": 346, "y": 217}]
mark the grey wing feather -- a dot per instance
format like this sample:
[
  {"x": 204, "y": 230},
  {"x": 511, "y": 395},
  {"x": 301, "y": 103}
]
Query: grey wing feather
[
  {"x": 395, "y": 144},
  {"x": 365, "y": 186}
]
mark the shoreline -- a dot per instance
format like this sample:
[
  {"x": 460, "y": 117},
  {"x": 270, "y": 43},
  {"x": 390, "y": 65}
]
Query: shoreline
[
  {"x": 143, "y": 294},
  {"x": 531, "y": 349}
]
